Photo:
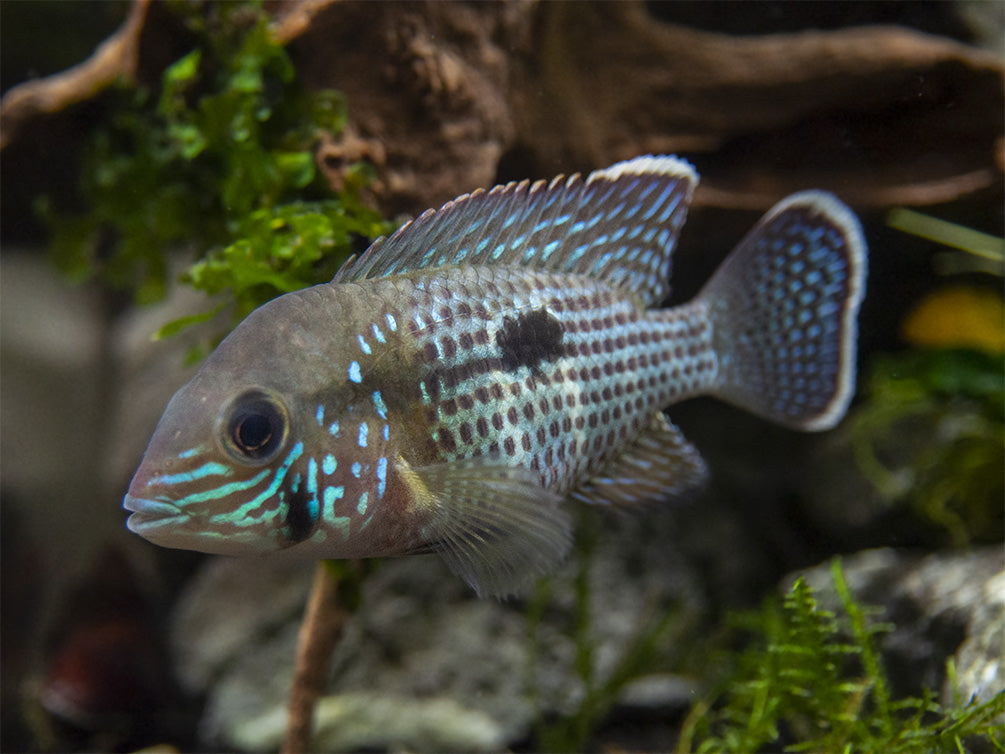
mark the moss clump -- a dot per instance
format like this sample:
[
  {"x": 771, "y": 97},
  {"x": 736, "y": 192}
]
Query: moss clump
[
  {"x": 812, "y": 680},
  {"x": 220, "y": 160},
  {"x": 955, "y": 400}
]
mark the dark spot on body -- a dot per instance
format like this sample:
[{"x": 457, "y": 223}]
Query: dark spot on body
[
  {"x": 529, "y": 339},
  {"x": 299, "y": 522}
]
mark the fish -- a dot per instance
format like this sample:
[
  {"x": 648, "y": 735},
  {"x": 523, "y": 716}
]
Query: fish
[{"x": 462, "y": 384}]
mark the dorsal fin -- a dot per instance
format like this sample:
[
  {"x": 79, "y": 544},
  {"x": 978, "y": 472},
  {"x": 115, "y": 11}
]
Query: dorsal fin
[{"x": 620, "y": 224}]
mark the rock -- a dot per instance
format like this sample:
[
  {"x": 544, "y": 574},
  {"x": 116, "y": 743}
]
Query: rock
[
  {"x": 368, "y": 722},
  {"x": 452, "y": 672},
  {"x": 228, "y": 607},
  {"x": 945, "y": 605}
]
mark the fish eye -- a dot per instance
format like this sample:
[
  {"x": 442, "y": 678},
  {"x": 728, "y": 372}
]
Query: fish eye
[{"x": 254, "y": 427}]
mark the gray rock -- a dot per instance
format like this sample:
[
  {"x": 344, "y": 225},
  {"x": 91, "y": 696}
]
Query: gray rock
[
  {"x": 450, "y": 671},
  {"x": 361, "y": 721}
]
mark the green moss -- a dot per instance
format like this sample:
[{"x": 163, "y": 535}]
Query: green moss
[
  {"x": 954, "y": 401},
  {"x": 219, "y": 160},
  {"x": 813, "y": 680}
]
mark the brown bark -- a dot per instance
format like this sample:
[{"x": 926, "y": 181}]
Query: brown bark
[{"x": 448, "y": 96}]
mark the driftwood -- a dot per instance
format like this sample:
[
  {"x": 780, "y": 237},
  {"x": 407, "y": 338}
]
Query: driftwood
[{"x": 445, "y": 97}]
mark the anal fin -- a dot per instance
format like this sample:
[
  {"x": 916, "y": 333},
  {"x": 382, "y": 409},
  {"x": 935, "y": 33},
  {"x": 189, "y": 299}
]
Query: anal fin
[
  {"x": 660, "y": 465},
  {"x": 494, "y": 525}
]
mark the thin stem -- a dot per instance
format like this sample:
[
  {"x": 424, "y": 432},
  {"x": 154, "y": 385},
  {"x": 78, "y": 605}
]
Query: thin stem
[{"x": 324, "y": 620}]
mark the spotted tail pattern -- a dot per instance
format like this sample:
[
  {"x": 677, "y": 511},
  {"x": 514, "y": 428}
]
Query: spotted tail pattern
[{"x": 453, "y": 387}]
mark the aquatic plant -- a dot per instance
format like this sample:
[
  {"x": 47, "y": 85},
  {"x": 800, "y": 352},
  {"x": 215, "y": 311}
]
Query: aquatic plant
[
  {"x": 220, "y": 160},
  {"x": 954, "y": 399},
  {"x": 948, "y": 390},
  {"x": 813, "y": 680}
]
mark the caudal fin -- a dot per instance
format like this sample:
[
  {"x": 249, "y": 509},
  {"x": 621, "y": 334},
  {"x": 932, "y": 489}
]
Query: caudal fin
[{"x": 784, "y": 308}]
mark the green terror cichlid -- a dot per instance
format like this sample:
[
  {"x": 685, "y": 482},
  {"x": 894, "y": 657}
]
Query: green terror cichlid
[{"x": 454, "y": 388}]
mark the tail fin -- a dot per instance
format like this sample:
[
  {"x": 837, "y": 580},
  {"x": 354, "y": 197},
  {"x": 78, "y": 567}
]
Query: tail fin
[{"x": 784, "y": 308}]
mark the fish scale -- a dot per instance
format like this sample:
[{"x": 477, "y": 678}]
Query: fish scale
[
  {"x": 461, "y": 383},
  {"x": 567, "y": 418}
]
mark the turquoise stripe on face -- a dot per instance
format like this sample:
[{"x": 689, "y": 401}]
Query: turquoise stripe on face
[
  {"x": 381, "y": 476},
  {"x": 240, "y": 516},
  {"x": 222, "y": 491},
  {"x": 207, "y": 469},
  {"x": 312, "y": 476}
]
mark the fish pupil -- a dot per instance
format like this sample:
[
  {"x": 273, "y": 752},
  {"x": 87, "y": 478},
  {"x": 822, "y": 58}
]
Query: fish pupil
[{"x": 253, "y": 432}]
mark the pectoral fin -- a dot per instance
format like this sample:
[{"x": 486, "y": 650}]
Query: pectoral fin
[{"x": 495, "y": 526}]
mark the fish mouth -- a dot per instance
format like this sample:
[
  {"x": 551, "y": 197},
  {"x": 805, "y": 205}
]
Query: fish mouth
[{"x": 149, "y": 517}]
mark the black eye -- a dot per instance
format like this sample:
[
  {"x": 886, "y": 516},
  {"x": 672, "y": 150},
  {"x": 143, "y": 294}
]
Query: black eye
[{"x": 255, "y": 426}]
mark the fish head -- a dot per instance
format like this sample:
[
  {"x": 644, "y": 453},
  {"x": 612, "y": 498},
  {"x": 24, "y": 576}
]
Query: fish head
[{"x": 233, "y": 465}]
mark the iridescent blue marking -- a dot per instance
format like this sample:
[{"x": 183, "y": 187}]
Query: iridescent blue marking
[
  {"x": 378, "y": 334},
  {"x": 354, "y": 373},
  {"x": 392, "y": 323},
  {"x": 549, "y": 248},
  {"x": 190, "y": 452},
  {"x": 381, "y": 476},
  {"x": 361, "y": 505},
  {"x": 223, "y": 490},
  {"x": 658, "y": 202},
  {"x": 240, "y": 516},
  {"x": 386, "y": 432},
  {"x": 320, "y": 415},
  {"x": 364, "y": 346},
  {"x": 578, "y": 252},
  {"x": 378, "y": 403},
  {"x": 312, "y": 476},
  {"x": 331, "y": 494},
  {"x": 364, "y": 429},
  {"x": 295, "y": 485},
  {"x": 647, "y": 189},
  {"x": 333, "y": 429},
  {"x": 329, "y": 465},
  {"x": 357, "y": 469},
  {"x": 208, "y": 469}
]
